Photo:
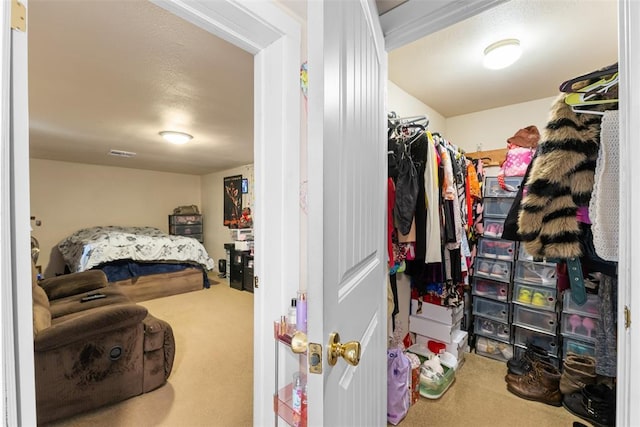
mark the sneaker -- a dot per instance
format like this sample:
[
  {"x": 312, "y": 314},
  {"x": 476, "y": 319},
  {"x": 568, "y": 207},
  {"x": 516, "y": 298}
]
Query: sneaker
[
  {"x": 504, "y": 333},
  {"x": 504, "y": 250},
  {"x": 488, "y": 327},
  {"x": 492, "y": 230},
  {"x": 482, "y": 288},
  {"x": 524, "y": 296},
  {"x": 498, "y": 272},
  {"x": 489, "y": 249},
  {"x": 484, "y": 268},
  {"x": 506, "y": 350},
  {"x": 539, "y": 299}
]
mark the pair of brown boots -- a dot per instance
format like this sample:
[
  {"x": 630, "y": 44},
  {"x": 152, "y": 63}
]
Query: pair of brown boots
[
  {"x": 540, "y": 383},
  {"x": 544, "y": 383}
]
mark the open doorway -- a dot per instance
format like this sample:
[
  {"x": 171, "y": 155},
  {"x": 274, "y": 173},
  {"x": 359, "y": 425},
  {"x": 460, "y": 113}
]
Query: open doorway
[
  {"x": 487, "y": 128},
  {"x": 271, "y": 62}
]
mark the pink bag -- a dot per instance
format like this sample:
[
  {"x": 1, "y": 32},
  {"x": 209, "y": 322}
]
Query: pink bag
[
  {"x": 515, "y": 164},
  {"x": 518, "y": 158}
]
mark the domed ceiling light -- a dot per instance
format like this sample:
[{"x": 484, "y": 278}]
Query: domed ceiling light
[
  {"x": 502, "y": 53},
  {"x": 176, "y": 137}
]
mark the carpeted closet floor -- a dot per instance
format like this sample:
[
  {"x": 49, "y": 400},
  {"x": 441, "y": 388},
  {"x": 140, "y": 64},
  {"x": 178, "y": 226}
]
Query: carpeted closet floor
[{"x": 211, "y": 382}]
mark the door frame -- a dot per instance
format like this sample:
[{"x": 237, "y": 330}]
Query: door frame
[
  {"x": 409, "y": 22},
  {"x": 273, "y": 37}
]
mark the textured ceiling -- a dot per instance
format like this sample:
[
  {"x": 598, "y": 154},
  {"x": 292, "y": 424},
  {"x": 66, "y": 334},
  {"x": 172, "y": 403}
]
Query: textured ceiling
[
  {"x": 111, "y": 74},
  {"x": 560, "y": 39}
]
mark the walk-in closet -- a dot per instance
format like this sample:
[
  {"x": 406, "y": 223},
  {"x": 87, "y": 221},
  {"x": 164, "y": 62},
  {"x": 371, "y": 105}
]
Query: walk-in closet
[{"x": 503, "y": 222}]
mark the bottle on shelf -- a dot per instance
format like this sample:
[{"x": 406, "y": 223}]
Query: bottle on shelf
[
  {"x": 292, "y": 317},
  {"x": 301, "y": 312}
]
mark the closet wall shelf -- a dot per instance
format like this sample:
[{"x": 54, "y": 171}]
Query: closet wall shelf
[{"x": 489, "y": 157}]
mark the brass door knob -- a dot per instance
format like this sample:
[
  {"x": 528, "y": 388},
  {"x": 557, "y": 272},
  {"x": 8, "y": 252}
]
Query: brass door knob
[
  {"x": 349, "y": 351},
  {"x": 299, "y": 342}
]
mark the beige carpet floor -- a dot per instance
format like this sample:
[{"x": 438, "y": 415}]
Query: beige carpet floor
[
  {"x": 211, "y": 382},
  {"x": 212, "y": 379}
]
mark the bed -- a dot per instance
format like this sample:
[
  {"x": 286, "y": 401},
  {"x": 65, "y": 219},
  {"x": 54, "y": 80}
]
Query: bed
[{"x": 145, "y": 262}]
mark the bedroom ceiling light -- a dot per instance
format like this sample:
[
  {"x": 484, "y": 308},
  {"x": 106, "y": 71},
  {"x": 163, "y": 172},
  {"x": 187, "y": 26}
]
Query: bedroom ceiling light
[
  {"x": 502, "y": 53},
  {"x": 176, "y": 137}
]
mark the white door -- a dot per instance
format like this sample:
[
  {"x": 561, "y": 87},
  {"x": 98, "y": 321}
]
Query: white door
[{"x": 346, "y": 210}]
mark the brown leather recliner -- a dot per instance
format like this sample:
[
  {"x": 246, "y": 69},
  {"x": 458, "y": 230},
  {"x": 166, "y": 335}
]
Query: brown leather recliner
[{"x": 95, "y": 352}]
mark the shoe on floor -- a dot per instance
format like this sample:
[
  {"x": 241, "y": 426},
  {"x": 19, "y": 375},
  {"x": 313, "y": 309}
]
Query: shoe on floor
[
  {"x": 595, "y": 403},
  {"x": 522, "y": 364},
  {"x": 540, "y": 384}
]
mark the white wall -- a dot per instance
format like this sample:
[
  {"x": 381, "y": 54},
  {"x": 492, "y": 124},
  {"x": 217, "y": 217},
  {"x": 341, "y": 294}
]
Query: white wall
[
  {"x": 489, "y": 129},
  {"x": 406, "y": 105},
  {"x": 69, "y": 196}
]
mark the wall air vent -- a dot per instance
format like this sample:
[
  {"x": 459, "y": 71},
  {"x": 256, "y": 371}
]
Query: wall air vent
[{"x": 121, "y": 153}]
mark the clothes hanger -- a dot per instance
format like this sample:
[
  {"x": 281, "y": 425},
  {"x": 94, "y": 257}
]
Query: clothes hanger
[
  {"x": 592, "y": 95},
  {"x": 589, "y": 92},
  {"x": 567, "y": 86}
]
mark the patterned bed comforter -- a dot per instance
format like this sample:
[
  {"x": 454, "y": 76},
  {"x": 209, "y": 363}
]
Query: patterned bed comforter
[{"x": 90, "y": 247}]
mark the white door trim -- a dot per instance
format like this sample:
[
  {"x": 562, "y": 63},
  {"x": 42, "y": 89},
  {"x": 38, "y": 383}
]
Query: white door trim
[
  {"x": 627, "y": 410},
  {"x": 15, "y": 254},
  {"x": 273, "y": 37}
]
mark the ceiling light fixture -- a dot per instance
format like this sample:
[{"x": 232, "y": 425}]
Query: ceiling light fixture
[
  {"x": 176, "y": 137},
  {"x": 502, "y": 53}
]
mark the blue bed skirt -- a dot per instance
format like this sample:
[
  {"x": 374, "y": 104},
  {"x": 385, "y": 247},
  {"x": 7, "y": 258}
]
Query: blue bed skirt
[{"x": 123, "y": 270}]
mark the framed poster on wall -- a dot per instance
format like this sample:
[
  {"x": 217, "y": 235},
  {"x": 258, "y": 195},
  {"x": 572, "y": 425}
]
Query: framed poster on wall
[{"x": 232, "y": 200}]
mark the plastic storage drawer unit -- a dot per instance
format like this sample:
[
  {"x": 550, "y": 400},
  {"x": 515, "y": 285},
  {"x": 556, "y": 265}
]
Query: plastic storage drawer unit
[
  {"x": 589, "y": 308},
  {"x": 497, "y": 207},
  {"x": 578, "y": 347},
  {"x": 523, "y": 337},
  {"x": 492, "y": 187},
  {"x": 497, "y": 249},
  {"x": 493, "y": 269},
  {"x": 493, "y": 227},
  {"x": 535, "y": 273},
  {"x": 492, "y": 329},
  {"x": 494, "y": 349},
  {"x": 579, "y": 327},
  {"x": 543, "y": 321},
  {"x": 490, "y": 289},
  {"x": 537, "y": 297},
  {"x": 491, "y": 309}
]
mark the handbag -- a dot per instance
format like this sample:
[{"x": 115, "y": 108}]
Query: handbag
[{"x": 515, "y": 164}]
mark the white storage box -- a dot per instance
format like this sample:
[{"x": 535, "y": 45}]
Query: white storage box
[
  {"x": 446, "y": 315},
  {"x": 457, "y": 347},
  {"x": 243, "y": 246},
  {"x": 430, "y": 328},
  {"x": 242, "y": 233}
]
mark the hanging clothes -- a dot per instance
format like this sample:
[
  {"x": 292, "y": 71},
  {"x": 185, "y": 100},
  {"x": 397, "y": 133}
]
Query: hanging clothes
[
  {"x": 561, "y": 180},
  {"x": 433, "y": 252}
]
